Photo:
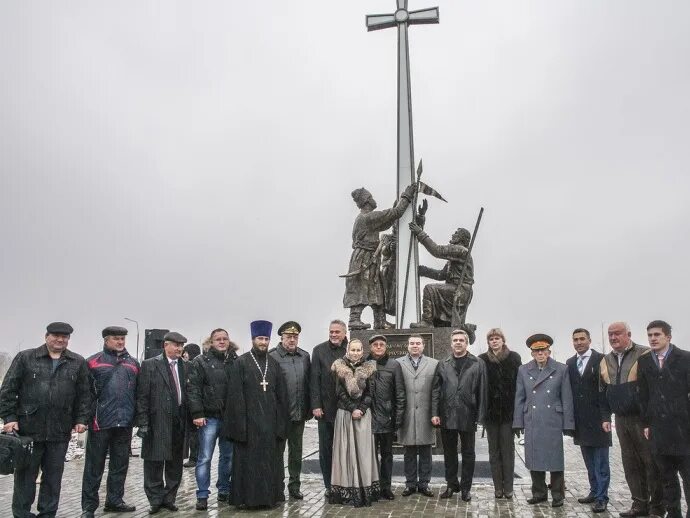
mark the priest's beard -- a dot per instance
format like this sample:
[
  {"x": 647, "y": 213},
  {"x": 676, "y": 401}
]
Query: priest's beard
[{"x": 258, "y": 352}]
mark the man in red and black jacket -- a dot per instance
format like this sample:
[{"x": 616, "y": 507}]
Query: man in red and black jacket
[{"x": 114, "y": 383}]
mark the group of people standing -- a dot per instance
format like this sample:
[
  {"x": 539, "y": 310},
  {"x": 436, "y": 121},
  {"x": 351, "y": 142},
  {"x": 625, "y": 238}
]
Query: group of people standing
[{"x": 254, "y": 407}]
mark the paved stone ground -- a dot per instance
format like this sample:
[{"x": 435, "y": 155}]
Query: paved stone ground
[{"x": 483, "y": 504}]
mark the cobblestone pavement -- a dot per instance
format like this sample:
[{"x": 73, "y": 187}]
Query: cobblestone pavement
[{"x": 483, "y": 503}]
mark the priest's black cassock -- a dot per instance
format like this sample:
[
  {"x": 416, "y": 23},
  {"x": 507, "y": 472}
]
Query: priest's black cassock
[{"x": 255, "y": 420}]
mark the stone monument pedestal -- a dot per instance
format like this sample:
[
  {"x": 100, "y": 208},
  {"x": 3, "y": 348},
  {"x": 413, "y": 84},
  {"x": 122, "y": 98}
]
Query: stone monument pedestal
[{"x": 436, "y": 345}]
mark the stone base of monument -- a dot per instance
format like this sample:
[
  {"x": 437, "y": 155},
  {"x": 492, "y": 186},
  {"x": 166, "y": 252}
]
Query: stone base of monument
[{"x": 436, "y": 345}]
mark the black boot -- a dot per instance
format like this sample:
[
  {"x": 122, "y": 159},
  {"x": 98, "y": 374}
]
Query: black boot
[
  {"x": 355, "y": 319},
  {"x": 380, "y": 318}
]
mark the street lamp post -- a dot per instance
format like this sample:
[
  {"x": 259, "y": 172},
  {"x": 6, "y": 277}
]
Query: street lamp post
[{"x": 137, "y": 323}]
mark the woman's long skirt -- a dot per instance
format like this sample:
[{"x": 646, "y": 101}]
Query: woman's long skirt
[{"x": 355, "y": 473}]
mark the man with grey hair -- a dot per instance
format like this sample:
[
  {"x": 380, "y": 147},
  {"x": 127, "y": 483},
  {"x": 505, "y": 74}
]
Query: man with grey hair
[
  {"x": 458, "y": 404},
  {"x": 618, "y": 374},
  {"x": 416, "y": 433},
  {"x": 363, "y": 284}
]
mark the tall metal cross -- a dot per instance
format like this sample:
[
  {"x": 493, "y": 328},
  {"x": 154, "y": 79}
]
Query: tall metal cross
[{"x": 407, "y": 280}]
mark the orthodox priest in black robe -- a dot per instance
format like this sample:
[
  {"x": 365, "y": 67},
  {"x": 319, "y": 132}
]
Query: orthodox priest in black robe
[{"x": 255, "y": 419}]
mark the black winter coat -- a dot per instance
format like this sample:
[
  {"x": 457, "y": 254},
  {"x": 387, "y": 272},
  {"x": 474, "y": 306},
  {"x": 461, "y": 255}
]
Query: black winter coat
[
  {"x": 501, "y": 380},
  {"x": 587, "y": 402},
  {"x": 207, "y": 379},
  {"x": 322, "y": 382},
  {"x": 665, "y": 401},
  {"x": 388, "y": 391},
  {"x": 157, "y": 407},
  {"x": 46, "y": 404},
  {"x": 113, "y": 380},
  {"x": 296, "y": 367},
  {"x": 460, "y": 402},
  {"x": 353, "y": 384}
]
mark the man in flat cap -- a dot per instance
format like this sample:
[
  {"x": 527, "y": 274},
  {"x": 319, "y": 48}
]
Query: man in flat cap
[
  {"x": 162, "y": 418},
  {"x": 113, "y": 375},
  {"x": 544, "y": 411},
  {"x": 45, "y": 395},
  {"x": 363, "y": 283},
  {"x": 458, "y": 404},
  {"x": 387, "y": 407},
  {"x": 208, "y": 381},
  {"x": 296, "y": 366},
  {"x": 256, "y": 419}
]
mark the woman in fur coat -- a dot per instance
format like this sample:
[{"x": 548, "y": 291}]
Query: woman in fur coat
[
  {"x": 355, "y": 473},
  {"x": 502, "y": 366}
]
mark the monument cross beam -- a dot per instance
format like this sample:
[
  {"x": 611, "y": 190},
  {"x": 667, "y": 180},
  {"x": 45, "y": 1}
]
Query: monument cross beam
[{"x": 407, "y": 293}]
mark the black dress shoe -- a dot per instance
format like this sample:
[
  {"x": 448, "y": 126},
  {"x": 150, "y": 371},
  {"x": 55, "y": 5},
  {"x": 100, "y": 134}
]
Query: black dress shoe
[
  {"x": 450, "y": 491},
  {"x": 599, "y": 507},
  {"x": 465, "y": 495},
  {"x": 587, "y": 499},
  {"x": 122, "y": 507},
  {"x": 426, "y": 491},
  {"x": 557, "y": 503},
  {"x": 202, "y": 504},
  {"x": 190, "y": 464},
  {"x": 387, "y": 494},
  {"x": 508, "y": 495},
  {"x": 536, "y": 500},
  {"x": 170, "y": 506},
  {"x": 295, "y": 493},
  {"x": 633, "y": 512},
  {"x": 154, "y": 509},
  {"x": 409, "y": 490},
  {"x": 223, "y": 497}
]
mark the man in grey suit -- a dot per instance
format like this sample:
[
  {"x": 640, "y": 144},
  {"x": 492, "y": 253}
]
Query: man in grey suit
[
  {"x": 416, "y": 433},
  {"x": 544, "y": 411},
  {"x": 161, "y": 416}
]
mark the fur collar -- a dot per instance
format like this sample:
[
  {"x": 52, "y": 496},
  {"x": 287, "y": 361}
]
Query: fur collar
[
  {"x": 353, "y": 377},
  {"x": 497, "y": 358}
]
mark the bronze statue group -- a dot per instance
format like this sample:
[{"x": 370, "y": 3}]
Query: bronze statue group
[{"x": 254, "y": 407}]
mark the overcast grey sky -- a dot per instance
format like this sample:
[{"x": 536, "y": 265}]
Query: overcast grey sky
[{"x": 189, "y": 164}]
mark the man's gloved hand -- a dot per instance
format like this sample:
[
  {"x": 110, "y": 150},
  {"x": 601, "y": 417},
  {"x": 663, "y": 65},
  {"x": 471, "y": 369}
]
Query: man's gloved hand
[
  {"x": 569, "y": 433},
  {"x": 143, "y": 431},
  {"x": 415, "y": 229},
  {"x": 517, "y": 432}
]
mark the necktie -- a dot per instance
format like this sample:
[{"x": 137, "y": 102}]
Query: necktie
[
  {"x": 173, "y": 368},
  {"x": 661, "y": 360},
  {"x": 580, "y": 364}
]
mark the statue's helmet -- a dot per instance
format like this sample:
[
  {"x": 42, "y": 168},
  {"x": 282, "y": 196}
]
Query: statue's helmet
[{"x": 361, "y": 196}]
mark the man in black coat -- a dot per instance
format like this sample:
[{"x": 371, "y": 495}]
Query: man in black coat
[
  {"x": 590, "y": 435},
  {"x": 387, "y": 408},
  {"x": 458, "y": 404},
  {"x": 161, "y": 415},
  {"x": 664, "y": 382},
  {"x": 45, "y": 395},
  {"x": 295, "y": 364},
  {"x": 323, "y": 398}
]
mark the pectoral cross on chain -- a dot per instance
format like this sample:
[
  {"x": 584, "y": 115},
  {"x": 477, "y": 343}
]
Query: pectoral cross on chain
[{"x": 264, "y": 384}]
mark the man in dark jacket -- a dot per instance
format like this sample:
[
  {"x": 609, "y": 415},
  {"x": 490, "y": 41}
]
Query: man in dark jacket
[
  {"x": 191, "y": 438},
  {"x": 296, "y": 365},
  {"x": 618, "y": 373},
  {"x": 664, "y": 378},
  {"x": 458, "y": 404},
  {"x": 590, "y": 435},
  {"x": 208, "y": 379},
  {"x": 322, "y": 389},
  {"x": 45, "y": 395},
  {"x": 387, "y": 408},
  {"x": 161, "y": 416},
  {"x": 113, "y": 384}
]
